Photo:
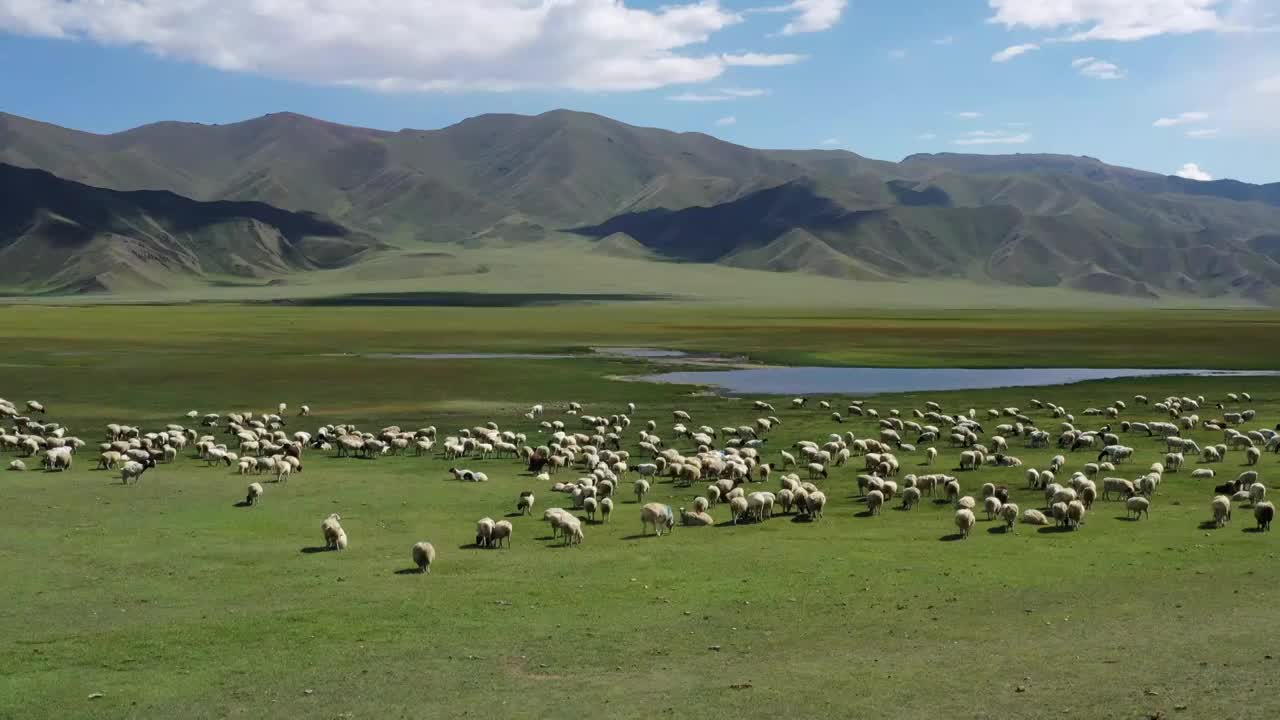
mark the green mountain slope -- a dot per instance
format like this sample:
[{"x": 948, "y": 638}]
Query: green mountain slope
[{"x": 61, "y": 236}]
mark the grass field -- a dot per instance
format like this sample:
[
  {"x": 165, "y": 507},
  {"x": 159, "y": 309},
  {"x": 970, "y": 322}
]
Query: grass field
[{"x": 172, "y": 602}]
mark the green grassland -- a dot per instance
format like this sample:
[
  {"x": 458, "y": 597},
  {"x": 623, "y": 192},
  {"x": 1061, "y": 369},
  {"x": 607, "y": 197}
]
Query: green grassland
[{"x": 172, "y": 602}]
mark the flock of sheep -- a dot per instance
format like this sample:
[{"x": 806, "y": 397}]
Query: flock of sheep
[{"x": 728, "y": 460}]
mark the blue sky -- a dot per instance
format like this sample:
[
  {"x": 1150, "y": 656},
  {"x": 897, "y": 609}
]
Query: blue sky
[{"x": 1190, "y": 86}]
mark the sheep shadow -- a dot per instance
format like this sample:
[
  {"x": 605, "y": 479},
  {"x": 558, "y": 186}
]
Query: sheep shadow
[
  {"x": 953, "y": 537},
  {"x": 1209, "y": 525},
  {"x": 1254, "y": 530},
  {"x": 410, "y": 571},
  {"x": 316, "y": 549},
  {"x": 471, "y": 546},
  {"x": 548, "y": 537},
  {"x": 900, "y": 508},
  {"x": 243, "y": 504},
  {"x": 1053, "y": 529},
  {"x": 999, "y": 530},
  {"x": 798, "y": 518},
  {"x": 1127, "y": 518},
  {"x": 640, "y": 536},
  {"x": 514, "y": 514},
  {"x": 864, "y": 514},
  {"x": 941, "y": 501}
]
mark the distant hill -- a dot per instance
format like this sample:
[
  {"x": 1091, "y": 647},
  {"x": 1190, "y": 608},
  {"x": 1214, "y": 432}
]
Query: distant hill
[
  {"x": 58, "y": 236},
  {"x": 1025, "y": 219}
]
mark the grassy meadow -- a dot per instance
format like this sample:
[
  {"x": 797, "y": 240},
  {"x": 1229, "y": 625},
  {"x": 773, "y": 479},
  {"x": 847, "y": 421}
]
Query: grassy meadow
[{"x": 172, "y": 602}]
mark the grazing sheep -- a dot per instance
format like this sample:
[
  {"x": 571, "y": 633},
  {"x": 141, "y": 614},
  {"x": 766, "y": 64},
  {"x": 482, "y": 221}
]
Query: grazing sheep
[
  {"x": 133, "y": 470},
  {"x": 424, "y": 554},
  {"x": 659, "y": 516},
  {"x": 1257, "y": 493},
  {"x": 606, "y": 509},
  {"x": 875, "y": 501},
  {"x": 17, "y": 466},
  {"x": 524, "y": 505},
  {"x": 1264, "y": 513},
  {"x": 1034, "y": 517},
  {"x": 1221, "y": 507},
  {"x": 589, "y": 506},
  {"x": 1137, "y": 506},
  {"x": 501, "y": 531},
  {"x": 992, "y": 506},
  {"x": 571, "y": 529},
  {"x": 255, "y": 492},
  {"x": 1075, "y": 514},
  {"x": 737, "y": 508},
  {"x": 967, "y": 502},
  {"x": 641, "y": 488},
  {"x": 910, "y": 498},
  {"x": 1010, "y": 513},
  {"x": 965, "y": 521},
  {"x": 484, "y": 532},
  {"x": 815, "y": 502}
]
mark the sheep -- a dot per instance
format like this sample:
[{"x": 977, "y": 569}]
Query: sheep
[
  {"x": 1264, "y": 513},
  {"x": 484, "y": 532},
  {"x": 606, "y": 509},
  {"x": 1221, "y": 507},
  {"x": 424, "y": 554},
  {"x": 1137, "y": 506},
  {"x": 992, "y": 506},
  {"x": 571, "y": 529},
  {"x": 641, "y": 487},
  {"x": 17, "y": 466},
  {"x": 589, "y": 506},
  {"x": 737, "y": 508},
  {"x": 697, "y": 518},
  {"x": 965, "y": 521},
  {"x": 524, "y": 505},
  {"x": 1118, "y": 486},
  {"x": 501, "y": 530},
  {"x": 910, "y": 498},
  {"x": 659, "y": 516},
  {"x": 1009, "y": 512},
  {"x": 133, "y": 470},
  {"x": 815, "y": 502},
  {"x": 1075, "y": 514},
  {"x": 1252, "y": 456},
  {"x": 331, "y": 527},
  {"x": 1203, "y": 474},
  {"x": 255, "y": 492},
  {"x": 875, "y": 500},
  {"x": 1257, "y": 493},
  {"x": 1034, "y": 517}
]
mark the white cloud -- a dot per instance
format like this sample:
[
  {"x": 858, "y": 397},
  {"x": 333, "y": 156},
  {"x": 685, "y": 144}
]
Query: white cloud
[
  {"x": 946, "y": 40},
  {"x": 831, "y": 141},
  {"x": 897, "y": 54},
  {"x": 927, "y": 136},
  {"x": 394, "y": 45},
  {"x": 1269, "y": 86},
  {"x": 993, "y": 137},
  {"x": 810, "y": 15},
  {"x": 762, "y": 59},
  {"x": 726, "y": 121},
  {"x": 969, "y": 115},
  {"x": 1098, "y": 69},
  {"x": 1013, "y": 51},
  {"x": 1204, "y": 133},
  {"x": 721, "y": 95},
  {"x": 1192, "y": 171},
  {"x": 1185, "y": 118},
  {"x": 1112, "y": 19}
]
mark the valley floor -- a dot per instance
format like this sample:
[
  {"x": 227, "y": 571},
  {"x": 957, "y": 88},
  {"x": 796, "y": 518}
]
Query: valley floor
[{"x": 171, "y": 601}]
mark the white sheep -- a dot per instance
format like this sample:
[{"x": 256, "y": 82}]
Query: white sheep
[
  {"x": 424, "y": 554},
  {"x": 524, "y": 505},
  {"x": 1010, "y": 513},
  {"x": 1137, "y": 506},
  {"x": 501, "y": 531},
  {"x": 255, "y": 492},
  {"x": 992, "y": 506},
  {"x": 875, "y": 501},
  {"x": 331, "y": 528},
  {"x": 1264, "y": 513},
  {"x": 1034, "y": 517},
  {"x": 484, "y": 531},
  {"x": 659, "y": 516},
  {"x": 965, "y": 521},
  {"x": 133, "y": 470},
  {"x": 1221, "y": 507},
  {"x": 17, "y": 466}
]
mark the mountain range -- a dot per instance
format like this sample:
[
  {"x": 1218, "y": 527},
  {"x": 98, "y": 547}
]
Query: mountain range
[{"x": 261, "y": 199}]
